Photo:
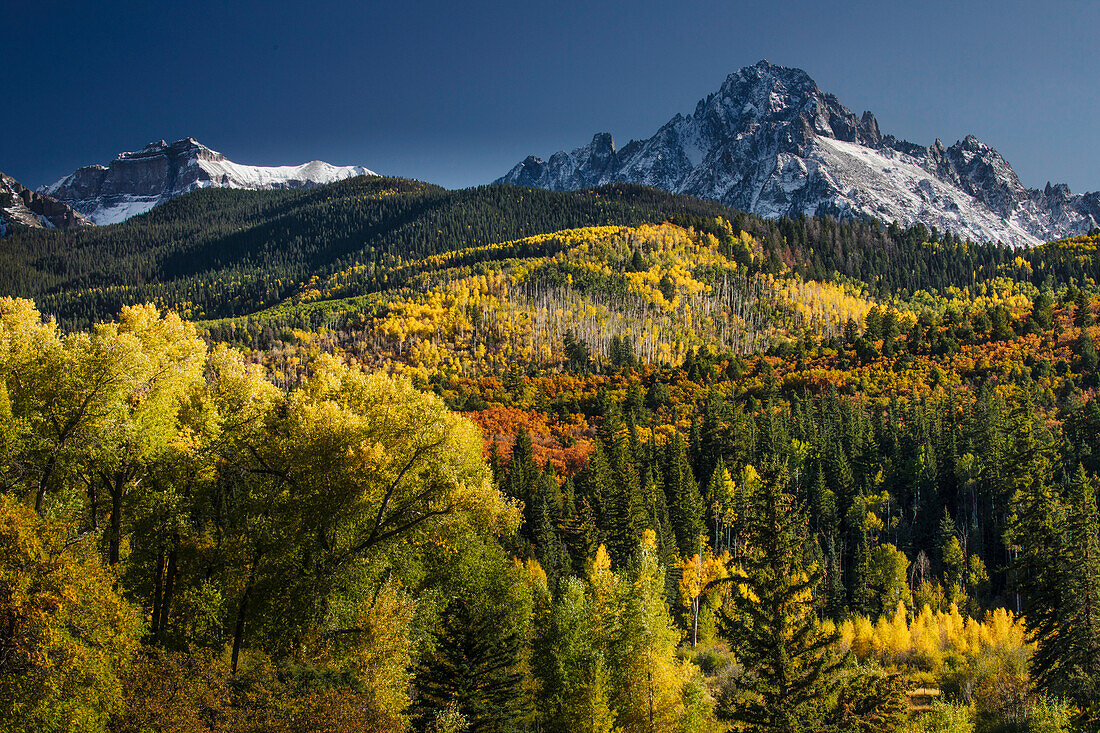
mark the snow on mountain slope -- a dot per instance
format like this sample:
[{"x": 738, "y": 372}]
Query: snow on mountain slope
[
  {"x": 135, "y": 182},
  {"x": 21, "y": 207},
  {"x": 771, "y": 142},
  {"x": 892, "y": 186}
]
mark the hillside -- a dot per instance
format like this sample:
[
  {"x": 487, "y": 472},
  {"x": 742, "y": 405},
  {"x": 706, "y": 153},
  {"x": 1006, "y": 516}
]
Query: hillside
[
  {"x": 216, "y": 253},
  {"x": 523, "y": 430},
  {"x": 224, "y": 253}
]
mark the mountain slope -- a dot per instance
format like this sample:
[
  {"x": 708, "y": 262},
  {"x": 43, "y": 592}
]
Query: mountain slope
[
  {"x": 772, "y": 143},
  {"x": 135, "y": 182},
  {"x": 22, "y": 207}
]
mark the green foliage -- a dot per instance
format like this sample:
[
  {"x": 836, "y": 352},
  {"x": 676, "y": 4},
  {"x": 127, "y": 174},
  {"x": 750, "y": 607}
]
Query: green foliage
[
  {"x": 313, "y": 547},
  {"x": 792, "y": 668},
  {"x": 605, "y": 654},
  {"x": 221, "y": 252},
  {"x": 475, "y": 667}
]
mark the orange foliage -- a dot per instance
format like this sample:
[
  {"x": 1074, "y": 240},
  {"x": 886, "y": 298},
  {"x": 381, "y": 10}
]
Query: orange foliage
[{"x": 566, "y": 445}]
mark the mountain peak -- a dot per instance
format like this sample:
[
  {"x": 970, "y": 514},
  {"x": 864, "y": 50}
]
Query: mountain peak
[
  {"x": 137, "y": 181},
  {"x": 183, "y": 147},
  {"x": 769, "y": 141}
]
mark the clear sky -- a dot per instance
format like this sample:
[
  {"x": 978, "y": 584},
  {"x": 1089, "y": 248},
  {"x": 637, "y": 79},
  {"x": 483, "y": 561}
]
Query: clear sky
[{"x": 458, "y": 92}]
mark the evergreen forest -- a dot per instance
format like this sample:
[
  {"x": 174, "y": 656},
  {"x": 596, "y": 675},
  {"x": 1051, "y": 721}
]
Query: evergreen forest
[{"x": 381, "y": 456}]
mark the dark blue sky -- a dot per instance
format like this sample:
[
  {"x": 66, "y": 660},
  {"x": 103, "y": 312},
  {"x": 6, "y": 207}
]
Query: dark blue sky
[{"x": 456, "y": 93}]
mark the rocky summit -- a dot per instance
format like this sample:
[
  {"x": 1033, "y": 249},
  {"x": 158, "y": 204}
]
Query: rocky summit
[
  {"x": 772, "y": 143},
  {"x": 135, "y": 182}
]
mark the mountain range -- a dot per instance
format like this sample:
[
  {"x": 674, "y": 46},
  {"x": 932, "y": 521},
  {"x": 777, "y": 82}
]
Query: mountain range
[
  {"x": 772, "y": 143},
  {"x": 769, "y": 142},
  {"x": 135, "y": 182}
]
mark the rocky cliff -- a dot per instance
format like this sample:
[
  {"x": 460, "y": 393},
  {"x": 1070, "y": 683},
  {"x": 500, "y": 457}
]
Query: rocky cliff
[{"x": 20, "y": 206}]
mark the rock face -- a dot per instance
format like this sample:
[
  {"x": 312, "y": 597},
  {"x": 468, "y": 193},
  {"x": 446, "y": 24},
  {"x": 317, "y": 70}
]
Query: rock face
[
  {"x": 772, "y": 143},
  {"x": 20, "y": 206},
  {"x": 133, "y": 183}
]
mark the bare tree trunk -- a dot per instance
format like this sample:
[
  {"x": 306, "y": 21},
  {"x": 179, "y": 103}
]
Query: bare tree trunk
[
  {"x": 117, "y": 488},
  {"x": 158, "y": 588},
  {"x": 93, "y": 504},
  {"x": 169, "y": 583}
]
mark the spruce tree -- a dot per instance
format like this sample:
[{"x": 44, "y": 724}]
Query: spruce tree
[
  {"x": 1057, "y": 537},
  {"x": 1082, "y": 313},
  {"x": 624, "y": 506},
  {"x": 685, "y": 505},
  {"x": 1079, "y": 653},
  {"x": 476, "y": 668},
  {"x": 549, "y": 550},
  {"x": 773, "y": 627}
]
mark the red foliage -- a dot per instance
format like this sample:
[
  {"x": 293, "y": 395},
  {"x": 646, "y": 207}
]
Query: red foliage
[{"x": 566, "y": 445}]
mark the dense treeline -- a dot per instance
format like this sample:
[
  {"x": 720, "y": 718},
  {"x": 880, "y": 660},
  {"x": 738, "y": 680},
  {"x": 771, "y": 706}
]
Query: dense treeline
[
  {"x": 218, "y": 252},
  {"x": 338, "y": 554},
  {"x": 970, "y": 489}
]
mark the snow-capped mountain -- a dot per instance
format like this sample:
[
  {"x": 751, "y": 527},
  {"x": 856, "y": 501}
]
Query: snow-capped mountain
[
  {"x": 20, "y": 206},
  {"x": 133, "y": 183},
  {"x": 772, "y": 143}
]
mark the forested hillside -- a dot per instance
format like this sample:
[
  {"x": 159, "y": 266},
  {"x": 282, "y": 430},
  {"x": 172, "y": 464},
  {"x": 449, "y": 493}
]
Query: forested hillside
[
  {"x": 507, "y": 460},
  {"x": 217, "y": 253},
  {"x": 225, "y": 252}
]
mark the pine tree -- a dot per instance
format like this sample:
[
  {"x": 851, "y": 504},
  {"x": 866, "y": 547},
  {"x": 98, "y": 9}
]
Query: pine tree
[
  {"x": 1082, "y": 314},
  {"x": 580, "y": 535},
  {"x": 685, "y": 505},
  {"x": 474, "y": 667},
  {"x": 773, "y": 627},
  {"x": 1057, "y": 537},
  {"x": 1080, "y": 641},
  {"x": 522, "y": 469},
  {"x": 594, "y": 484},
  {"x": 625, "y": 505},
  {"x": 549, "y": 550}
]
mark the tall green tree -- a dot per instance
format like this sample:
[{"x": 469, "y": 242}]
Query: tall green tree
[
  {"x": 475, "y": 667},
  {"x": 791, "y": 666},
  {"x": 685, "y": 504}
]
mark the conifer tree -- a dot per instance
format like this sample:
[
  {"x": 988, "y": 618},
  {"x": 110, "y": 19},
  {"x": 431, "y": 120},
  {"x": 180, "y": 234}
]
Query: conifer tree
[
  {"x": 522, "y": 469},
  {"x": 1057, "y": 537},
  {"x": 474, "y": 667},
  {"x": 580, "y": 535},
  {"x": 1081, "y": 652},
  {"x": 685, "y": 505},
  {"x": 773, "y": 627},
  {"x": 625, "y": 505},
  {"x": 1082, "y": 314},
  {"x": 549, "y": 551}
]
